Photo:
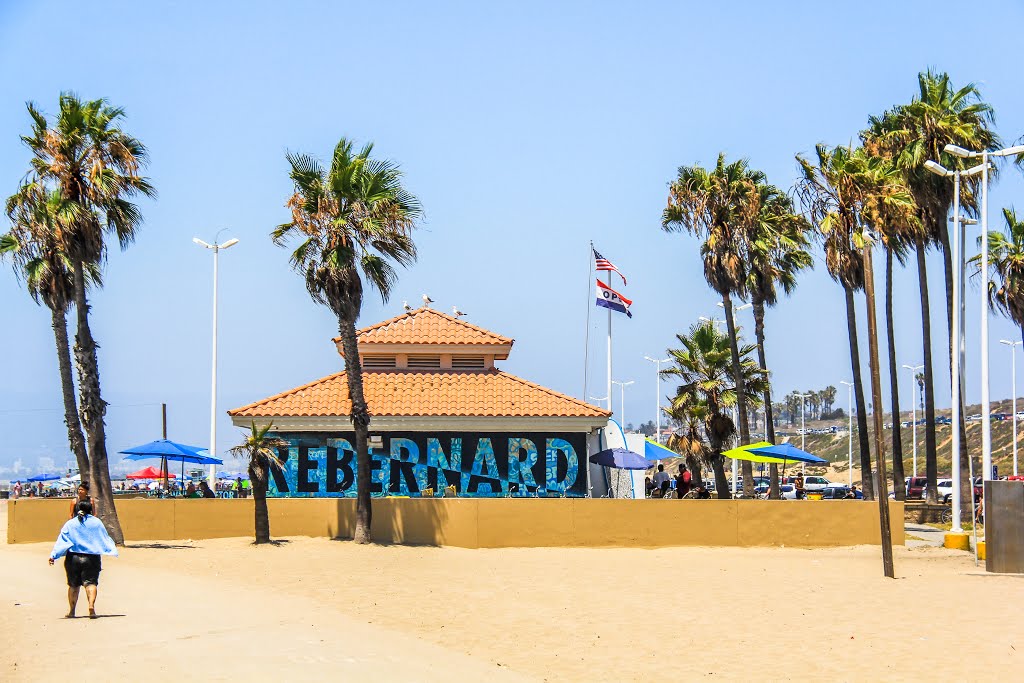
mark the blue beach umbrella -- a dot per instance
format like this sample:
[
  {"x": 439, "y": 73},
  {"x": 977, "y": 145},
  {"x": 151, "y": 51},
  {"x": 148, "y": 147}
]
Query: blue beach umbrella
[
  {"x": 168, "y": 450},
  {"x": 789, "y": 452},
  {"x": 655, "y": 451},
  {"x": 45, "y": 476},
  {"x": 621, "y": 459}
]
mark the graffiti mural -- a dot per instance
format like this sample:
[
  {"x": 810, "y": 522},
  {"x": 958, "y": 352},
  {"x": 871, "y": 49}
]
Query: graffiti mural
[{"x": 409, "y": 463}]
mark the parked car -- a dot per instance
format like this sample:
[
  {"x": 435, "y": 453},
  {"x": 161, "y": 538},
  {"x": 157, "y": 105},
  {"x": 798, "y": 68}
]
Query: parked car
[
  {"x": 944, "y": 487},
  {"x": 914, "y": 487},
  {"x": 944, "y": 420},
  {"x": 787, "y": 491},
  {"x": 837, "y": 492},
  {"x": 816, "y": 483}
]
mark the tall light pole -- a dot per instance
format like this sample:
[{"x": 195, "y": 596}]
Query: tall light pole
[
  {"x": 657, "y": 395},
  {"x": 913, "y": 400},
  {"x": 849, "y": 429},
  {"x": 803, "y": 427},
  {"x": 1013, "y": 358},
  {"x": 622, "y": 400},
  {"x": 213, "y": 382},
  {"x": 714, "y": 321},
  {"x": 986, "y": 409},
  {"x": 957, "y": 361}
]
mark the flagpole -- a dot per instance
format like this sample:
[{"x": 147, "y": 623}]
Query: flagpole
[
  {"x": 609, "y": 281},
  {"x": 586, "y": 350}
]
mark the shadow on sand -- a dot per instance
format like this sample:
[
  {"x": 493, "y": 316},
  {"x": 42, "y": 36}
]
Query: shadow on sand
[{"x": 158, "y": 546}]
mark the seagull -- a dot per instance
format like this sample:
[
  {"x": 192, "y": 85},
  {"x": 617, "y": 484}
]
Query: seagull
[
  {"x": 427, "y": 300},
  {"x": 406, "y": 306},
  {"x": 456, "y": 312}
]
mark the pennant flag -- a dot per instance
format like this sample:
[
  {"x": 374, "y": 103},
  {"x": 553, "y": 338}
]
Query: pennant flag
[
  {"x": 609, "y": 298},
  {"x": 601, "y": 263}
]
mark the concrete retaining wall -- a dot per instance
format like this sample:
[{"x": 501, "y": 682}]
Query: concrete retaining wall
[{"x": 491, "y": 523}]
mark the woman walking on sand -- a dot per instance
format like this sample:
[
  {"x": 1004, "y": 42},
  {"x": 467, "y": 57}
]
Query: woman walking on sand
[{"x": 82, "y": 540}]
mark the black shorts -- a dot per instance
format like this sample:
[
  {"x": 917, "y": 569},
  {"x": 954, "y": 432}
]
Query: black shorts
[{"x": 82, "y": 569}]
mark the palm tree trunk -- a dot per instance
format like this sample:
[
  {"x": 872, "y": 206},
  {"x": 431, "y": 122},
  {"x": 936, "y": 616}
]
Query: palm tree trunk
[
  {"x": 894, "y": 384},
  {"x": 92, "y": 409},
  {"x": 931, "y": 464},
  {"x": 721, "y": 483},
  {"x": 259, "y": 494},
  {"x": 769, "y": 418},
  {"x": 360, "y": 423},
  {"x": 76, "y": 440},
  {"x": 696, "y": 474},
  {"x": 866, "y": 481},
  {"x": 741, "y": 395}
]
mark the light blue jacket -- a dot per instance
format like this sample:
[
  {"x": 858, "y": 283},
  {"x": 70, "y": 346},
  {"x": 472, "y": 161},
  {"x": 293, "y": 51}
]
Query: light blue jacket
[{"x": 83, "y": 535}]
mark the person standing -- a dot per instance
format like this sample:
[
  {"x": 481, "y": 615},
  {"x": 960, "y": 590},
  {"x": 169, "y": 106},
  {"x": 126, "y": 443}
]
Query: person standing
[
  {"x": 82, "y": 541},
  {"x": 80, "y": 496},
  {"x": 661, "y": 480},
  {"x": 798, "y": 486},
  {"x": 683, "y": 481},
  {"x": 16, "y": 491}
]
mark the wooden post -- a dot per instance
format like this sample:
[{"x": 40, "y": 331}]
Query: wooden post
[
  {"x": 882, "y": 490},
  {"x": 163, "y": 461}
]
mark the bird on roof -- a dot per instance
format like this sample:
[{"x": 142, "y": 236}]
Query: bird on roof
[
  {"x": 456, "y": 312},
  {"x": 406, "y": 306},
  {"x": 427, "y": 300}
]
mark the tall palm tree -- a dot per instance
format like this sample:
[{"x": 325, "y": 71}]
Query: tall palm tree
[
  {"x": 691, "y": 443},
  {"x": 703, "y": 364},
  {"x": 96, "y": 166},
  {"x": 35, "y": 253},
  {"x": 829, "y": 191},
  {"x": 353, "y": 217},
  {"x": 938, "y": 115},
  {"x": 718, "y": 206},
  {"x": 259, "y": 450},
  {"x": 777, "y": 253}
]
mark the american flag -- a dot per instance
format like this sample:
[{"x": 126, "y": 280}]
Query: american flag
[{"x": 601, "y": 263}]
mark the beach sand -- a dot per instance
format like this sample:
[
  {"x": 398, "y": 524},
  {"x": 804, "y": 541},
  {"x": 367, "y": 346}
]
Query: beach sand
[{"x": 313, "y": 609}]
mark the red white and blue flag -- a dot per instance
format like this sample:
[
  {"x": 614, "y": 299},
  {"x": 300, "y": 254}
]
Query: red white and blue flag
[
  {"x": 609, "y": 298},
  {"x": 601, "y": 263}
]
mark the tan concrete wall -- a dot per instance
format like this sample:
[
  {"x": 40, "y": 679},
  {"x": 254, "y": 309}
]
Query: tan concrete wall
[{"x": 491, "y": 523}]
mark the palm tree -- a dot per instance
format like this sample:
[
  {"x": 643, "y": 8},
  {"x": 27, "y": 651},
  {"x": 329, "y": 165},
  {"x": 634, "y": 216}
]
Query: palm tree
[
  {"x": 829, "y": 192},
  {"x": 352, "y": 217},
  {"x": 703, "y": 364},
  {"x": 939, "y": 115},
  {"x": 259, "y": 450},
  {"x": 719, "y": 206},
  {"x": 690, "y": 443},
  {"x": 777, "y": 253},
  {"x": 96, "y": 166},
  {"x": 32, "y": 246},
  {"x": 1006, "y": 266}
]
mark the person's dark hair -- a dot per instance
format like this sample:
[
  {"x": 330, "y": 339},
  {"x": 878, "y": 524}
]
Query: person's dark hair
[
  {"x": 84, "y": 485},
  {"x": 82, "y": 509},
  {"x": 661, "y": 468}
]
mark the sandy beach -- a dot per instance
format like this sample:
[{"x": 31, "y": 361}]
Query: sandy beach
[{"x": 313, "y": 609}]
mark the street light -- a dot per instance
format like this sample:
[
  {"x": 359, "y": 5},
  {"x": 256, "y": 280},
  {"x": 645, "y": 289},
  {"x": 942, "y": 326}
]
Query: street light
[
  {"x": 657, "y": 395},
  {"x": 849, "y": 429},
  {"x": 957, "y": 346},
  {"x": 213, "y": 391},
  {"x": 913, "y": 405},
  {"x": 803, "y": 427},
  {"x": 986, "y": 422},
  {"x": 714, "y": 321},
  {"x": 622, "y": 400},
  {"x": 1013, "y": 357}
]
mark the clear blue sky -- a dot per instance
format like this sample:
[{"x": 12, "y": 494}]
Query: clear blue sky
[{"x": 526, "y": 130}]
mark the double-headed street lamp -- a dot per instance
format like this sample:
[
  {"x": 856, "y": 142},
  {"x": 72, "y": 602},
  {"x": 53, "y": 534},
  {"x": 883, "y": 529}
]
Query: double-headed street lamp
[
  {"x": 657, "y": 395},
  {"x": 803, "y": 427},
  {"x": 622, "y": 400},
  {"x": 1013, "y": 363},
  {"x": 913, "y": 405},
  {"x": 849, "y": 429},
  {"x": 213, "y": 391}
]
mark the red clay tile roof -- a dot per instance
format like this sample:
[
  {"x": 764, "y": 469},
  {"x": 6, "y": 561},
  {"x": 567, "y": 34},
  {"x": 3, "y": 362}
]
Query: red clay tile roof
[
  {"x": 435, "y": 393},
  {"x": 427, "y": 326}
]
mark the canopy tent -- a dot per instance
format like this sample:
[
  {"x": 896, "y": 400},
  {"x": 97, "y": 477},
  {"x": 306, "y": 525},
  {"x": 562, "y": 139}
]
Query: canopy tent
[
  {"x": 168, "y": 450},
  {"x": 45, "y": 476},
  {"x": 148, "y": 473},
  {"x": 789, "y": 453},
  {"x": 745, "y": 453},
  {"x": 620, "y": 458}
]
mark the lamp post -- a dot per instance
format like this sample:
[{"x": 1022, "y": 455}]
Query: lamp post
[
  {"x": 803, "y": 427},
  {"x": 986, "y": 421},
  {"x": 714, "y": 321},
  {"x": 657, "y": 395},
  {"x": 622, "y": 401},
  {"x": 213, "y": 383},
  {"x": 956, "y": 361},
  {"x": 913, "y": 405},
  {"x": 849, "y": 429},
  {"x": 1013, "y": 363}
]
